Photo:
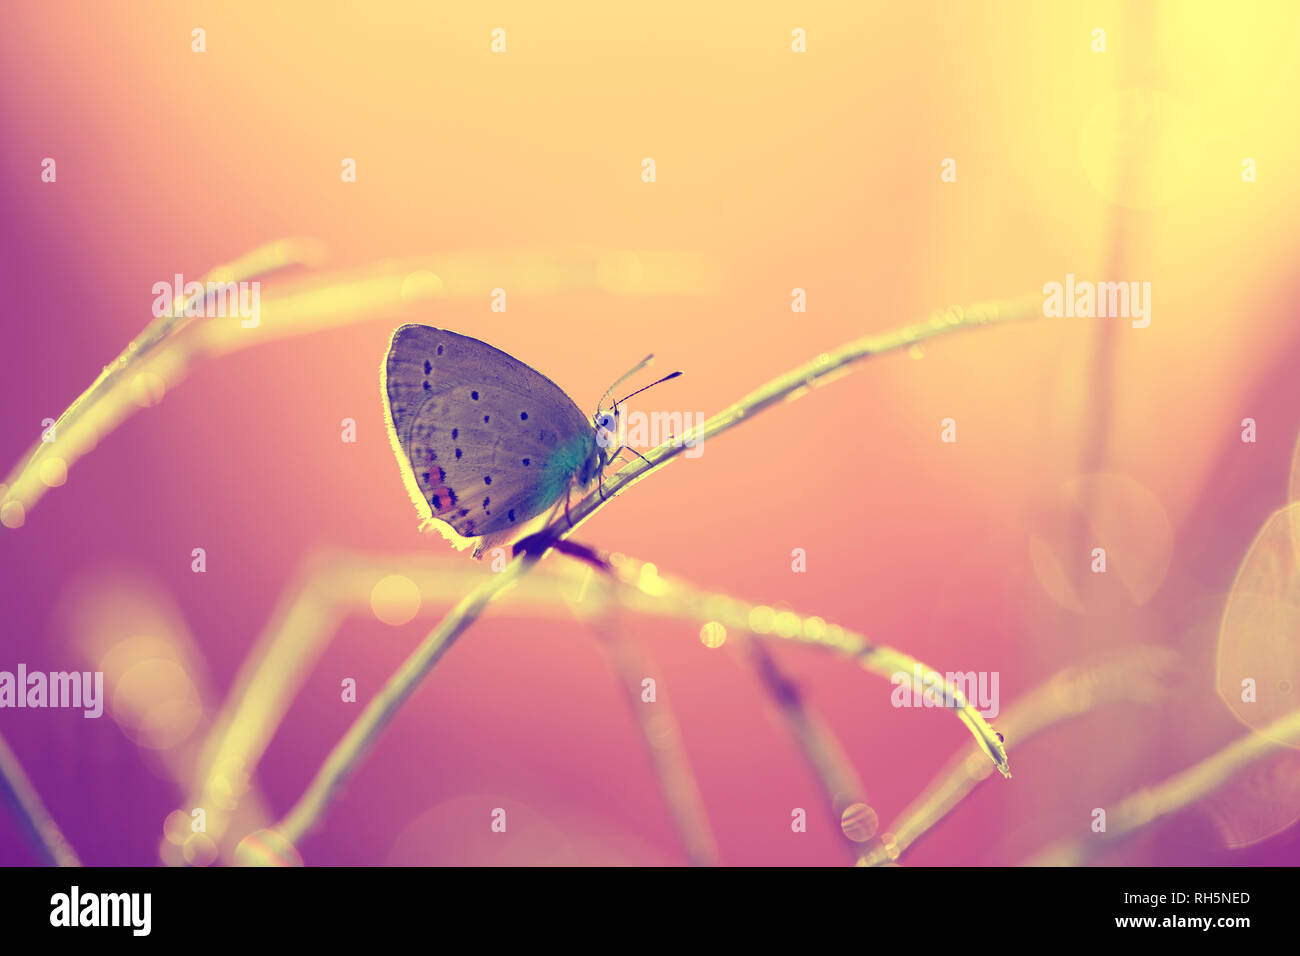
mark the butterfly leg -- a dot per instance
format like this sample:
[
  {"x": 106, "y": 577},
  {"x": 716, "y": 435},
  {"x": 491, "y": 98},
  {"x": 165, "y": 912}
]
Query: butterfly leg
[
  {"x": 567, "y": 492},
  {"x": 633, "y": 451},
  {"x": 600, "y": 481}
]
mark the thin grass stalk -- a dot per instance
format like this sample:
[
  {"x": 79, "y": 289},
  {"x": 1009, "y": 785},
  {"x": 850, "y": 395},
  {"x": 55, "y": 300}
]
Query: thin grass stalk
[
  {"x": 821, "y": 749},
  {"x": 51, "y": 846},
  {"x": 661, "y": 732}
]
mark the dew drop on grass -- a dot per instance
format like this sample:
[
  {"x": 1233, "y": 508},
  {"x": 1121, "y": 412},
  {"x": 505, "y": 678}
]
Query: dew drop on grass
[
  {"x": 859, "y": 822},
  {"x": 713, "y": 634}
]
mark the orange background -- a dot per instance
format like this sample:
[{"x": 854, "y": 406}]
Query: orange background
[{"x": 776, "y": 170}]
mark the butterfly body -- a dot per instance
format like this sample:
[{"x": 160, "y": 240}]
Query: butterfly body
[{"x": 485, "y": 442}]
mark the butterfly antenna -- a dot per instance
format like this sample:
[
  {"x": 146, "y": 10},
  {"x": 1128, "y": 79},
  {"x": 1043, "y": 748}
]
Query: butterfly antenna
[
  {"x": 623, "y": 378},
  {"x": 643, "y": 388}
]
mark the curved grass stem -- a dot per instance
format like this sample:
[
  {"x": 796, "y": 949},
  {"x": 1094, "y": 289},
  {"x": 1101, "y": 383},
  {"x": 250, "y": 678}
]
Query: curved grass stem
[
  {"x": 364, "y": 732},
  {"x": 788, "y": 387},
  {"x": 1135, "y": 674},
  {"x": 161, "y": 352},
  {"x": 1151, "y": 804}
]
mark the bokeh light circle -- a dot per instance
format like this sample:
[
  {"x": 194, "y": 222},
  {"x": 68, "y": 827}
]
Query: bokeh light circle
[
  {"x": 395, "y": 599},
  {"x": 1095, "y": 518},
  {"x": 266, "y": 848},
  {"x": 156, "y": 704}
]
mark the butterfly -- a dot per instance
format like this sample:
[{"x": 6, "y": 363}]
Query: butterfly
[{"x": 484, "y": 442}]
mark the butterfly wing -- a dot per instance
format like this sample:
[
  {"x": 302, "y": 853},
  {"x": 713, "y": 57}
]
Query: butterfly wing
[
  {"x": 485, "y": 442},
  {"x": 481, "y": 477}
]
